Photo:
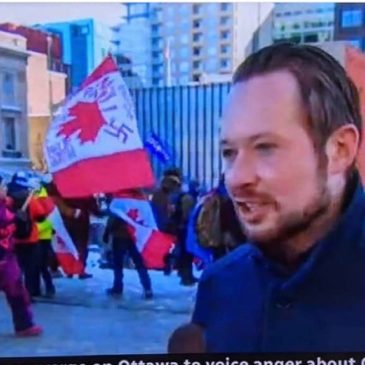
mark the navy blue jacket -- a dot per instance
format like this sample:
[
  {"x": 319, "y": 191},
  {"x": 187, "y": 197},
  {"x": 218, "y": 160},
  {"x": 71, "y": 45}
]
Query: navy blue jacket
[{"x": 247, "y": 303}]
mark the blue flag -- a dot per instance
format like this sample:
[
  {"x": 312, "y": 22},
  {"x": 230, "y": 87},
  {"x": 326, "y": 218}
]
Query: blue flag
[{"x": 157, "y": 148}]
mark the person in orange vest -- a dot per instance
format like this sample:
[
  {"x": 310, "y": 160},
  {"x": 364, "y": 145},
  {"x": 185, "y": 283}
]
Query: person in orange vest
[
  {"x": 28, "y": 212},
  {"x": 45, "y": 233}
]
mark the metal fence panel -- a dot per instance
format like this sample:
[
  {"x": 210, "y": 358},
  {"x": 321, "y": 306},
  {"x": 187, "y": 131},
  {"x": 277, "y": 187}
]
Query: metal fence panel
[{"x": 186, "y": 119}]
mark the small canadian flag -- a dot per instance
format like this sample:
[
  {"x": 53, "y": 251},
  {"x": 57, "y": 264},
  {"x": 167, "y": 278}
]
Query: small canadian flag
[
  {"x": 137, "y": 212},
  {"x": 62, "y": 243}
]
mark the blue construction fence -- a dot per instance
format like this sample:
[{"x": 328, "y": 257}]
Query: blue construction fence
[{"x": 186, "y": 120}]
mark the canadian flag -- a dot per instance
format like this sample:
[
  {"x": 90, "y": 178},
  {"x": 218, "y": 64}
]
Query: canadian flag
[
  {"x": 63, "y": 246},
  {"x": 152, "y": 243},
  {"x": 62, "y": 243},
  {"x": 93, "y": 144}
]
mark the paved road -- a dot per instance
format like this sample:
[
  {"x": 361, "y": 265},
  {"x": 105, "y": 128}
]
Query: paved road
[{"x": 82, "y": 320}]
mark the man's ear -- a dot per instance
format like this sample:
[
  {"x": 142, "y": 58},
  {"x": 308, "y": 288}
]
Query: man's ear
[{"x": 342, "y": 148}]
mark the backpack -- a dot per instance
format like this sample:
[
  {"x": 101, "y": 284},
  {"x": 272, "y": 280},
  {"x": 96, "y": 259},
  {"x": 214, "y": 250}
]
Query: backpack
[
  {"x": 176, "y": 221},
  {"x": 208, "y": 227}
]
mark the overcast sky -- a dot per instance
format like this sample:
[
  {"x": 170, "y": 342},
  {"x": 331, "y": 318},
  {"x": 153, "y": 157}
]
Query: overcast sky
[{"x": 32, "y": 13}]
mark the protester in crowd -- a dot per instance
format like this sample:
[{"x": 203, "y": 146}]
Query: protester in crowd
[
  {"x": 162, "y": 198},
  {"x": 28, "y": 212},
  {"x": 45, "y": 232},
  {"x": 11, "y": 282},
  {"x": 123, "y": 244},
  {"x": 231, "y": 232},
  {"x": 213, "y": 228},
  {"x": 290, "y": 135},
  {"x": 162, "y": 203},
  {"x": 183, "y": 206}
]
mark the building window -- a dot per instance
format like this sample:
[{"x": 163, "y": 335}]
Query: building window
[
  {"x": 196, "y": 8},
  {"x": 225, "y": 49},
  {"x": 224, "y": 20},
  {"x": 8, "y": 89},
  {"x": 351, "y": 18},
  {"x": 155, "y": 28},
  {"x": 225, "y": 6},
  {"x": 225, "y": 34},
  {"x": 196, "y": 51},
  {"x": 196, "y": 65},
  {"x": 311, "y": 38},
  {"x": 196, "y": 78},
  {"x": 157, "y": 42},
  {"x": 196, "y": 24},
  {"x": 197, "y": 37},
  {"x": 225, "y": 63},
  {"x": 9, "y": 132}
]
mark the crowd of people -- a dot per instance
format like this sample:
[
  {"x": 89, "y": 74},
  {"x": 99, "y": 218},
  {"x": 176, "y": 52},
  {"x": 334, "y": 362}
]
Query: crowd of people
[{"x": 28, "y": 264}]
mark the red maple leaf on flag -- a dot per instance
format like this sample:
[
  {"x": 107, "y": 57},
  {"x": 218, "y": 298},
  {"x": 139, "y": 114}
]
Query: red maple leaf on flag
[
  {"x": 133, "y": 214},
  {"x": 88, "y": 119}
]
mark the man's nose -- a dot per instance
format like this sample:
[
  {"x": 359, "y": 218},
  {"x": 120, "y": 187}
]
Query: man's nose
[{"x": 242, "y": 172}]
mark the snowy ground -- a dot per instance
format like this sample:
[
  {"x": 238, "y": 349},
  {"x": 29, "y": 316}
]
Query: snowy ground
[{"x": 82, "y": 320}]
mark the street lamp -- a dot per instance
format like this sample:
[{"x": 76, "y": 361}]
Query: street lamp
[
  {"x": 49, "y": 68},
  {"x": 50, "y": 93}
]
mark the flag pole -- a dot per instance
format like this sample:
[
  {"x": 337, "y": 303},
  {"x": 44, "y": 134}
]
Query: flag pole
[{"x": 168, "y": 62}]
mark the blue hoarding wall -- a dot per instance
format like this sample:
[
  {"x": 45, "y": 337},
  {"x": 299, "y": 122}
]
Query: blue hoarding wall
[{"x": 186, "y": 120}]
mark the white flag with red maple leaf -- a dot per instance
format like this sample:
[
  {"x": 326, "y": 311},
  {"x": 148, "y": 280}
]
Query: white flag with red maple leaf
[
  {"x": 136, "y": 210},
  {"x": 93, "y": 144},
  {"x": 62, "y": 243}
]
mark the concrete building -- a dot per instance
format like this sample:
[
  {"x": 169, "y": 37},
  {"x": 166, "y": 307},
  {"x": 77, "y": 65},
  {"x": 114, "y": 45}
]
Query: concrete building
[
  {"x": 349, "y": 23},
  {"x": 85, "y": 43},
  {"x": 134, "y": 31},
  {"x": 131, "y": 78},
  {"x": 185, "y": 42},
  {"x": 304, "y": 22},
  {"x": 13, "y": 102},
  {"x": 46, "y": 78},
  {"x": 47, "y": 88}
]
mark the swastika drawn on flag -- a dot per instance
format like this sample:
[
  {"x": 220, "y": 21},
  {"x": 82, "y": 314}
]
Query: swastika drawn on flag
[{"x": 114, "y": 130}]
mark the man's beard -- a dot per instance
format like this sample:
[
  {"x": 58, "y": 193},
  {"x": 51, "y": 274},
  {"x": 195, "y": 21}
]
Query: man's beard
[{"x": 291, "y": 224}]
